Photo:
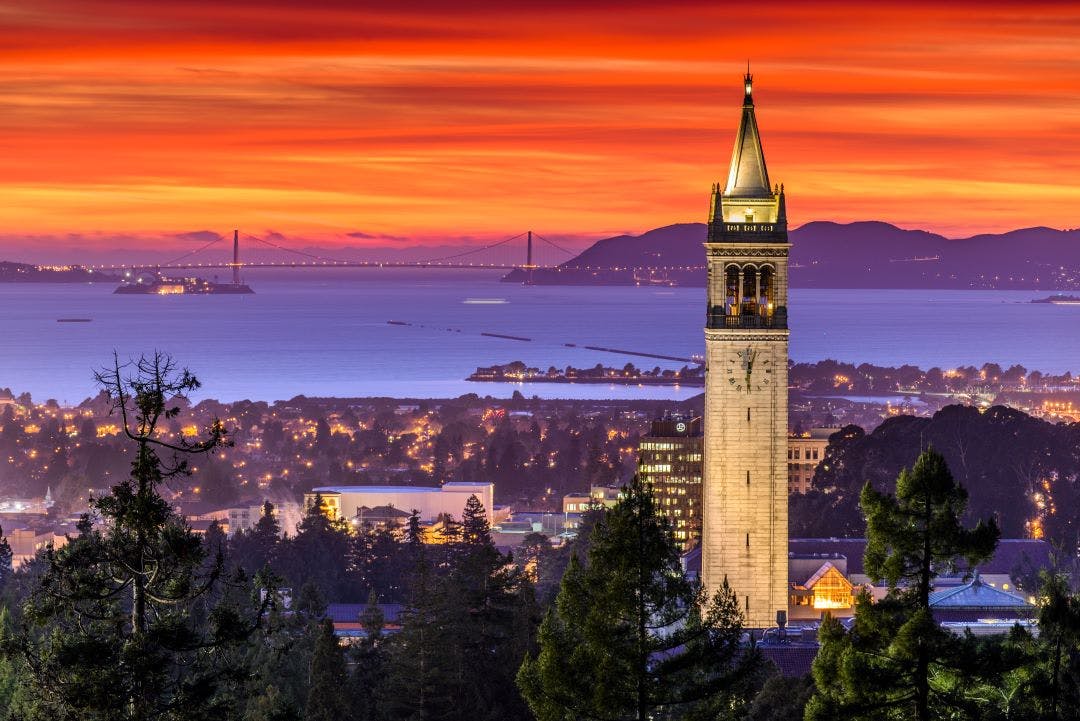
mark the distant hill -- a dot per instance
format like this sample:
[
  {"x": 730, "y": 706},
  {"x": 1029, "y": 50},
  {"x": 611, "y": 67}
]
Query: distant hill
[{"x": 835, "y": 255}]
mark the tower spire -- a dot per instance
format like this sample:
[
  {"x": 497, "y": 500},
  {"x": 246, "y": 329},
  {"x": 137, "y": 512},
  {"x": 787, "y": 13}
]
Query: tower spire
[{"x": 748, "y": 177}]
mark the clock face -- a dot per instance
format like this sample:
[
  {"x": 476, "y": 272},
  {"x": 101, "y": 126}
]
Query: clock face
[
  {"x": 747, "y": 373},
  {"x": 680, "y": 428}
]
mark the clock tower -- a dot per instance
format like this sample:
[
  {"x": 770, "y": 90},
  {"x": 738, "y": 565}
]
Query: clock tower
[{"x": 745, "y": 504}]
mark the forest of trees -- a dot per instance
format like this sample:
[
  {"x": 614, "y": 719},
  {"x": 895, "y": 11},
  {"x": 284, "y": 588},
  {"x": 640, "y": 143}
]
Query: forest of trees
[{"x": 1023, "y": 471}]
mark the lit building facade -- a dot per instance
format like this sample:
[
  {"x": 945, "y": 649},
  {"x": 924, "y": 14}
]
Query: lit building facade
[
  {"x": 804, "y": 453},
  {"x": 346, "y": 502},
  {"x": 745, "y": 522},
  {"x": 670, "y": 462}
]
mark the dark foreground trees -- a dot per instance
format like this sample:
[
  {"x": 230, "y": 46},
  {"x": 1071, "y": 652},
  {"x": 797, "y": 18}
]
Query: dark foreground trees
[
  {"x": 132, "y": 619},
  {"x": 630, "y": 637},
  {"x": 897, "y": 662}
]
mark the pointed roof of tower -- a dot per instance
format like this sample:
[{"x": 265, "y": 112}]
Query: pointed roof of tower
[{"x": 748, "y": 176}]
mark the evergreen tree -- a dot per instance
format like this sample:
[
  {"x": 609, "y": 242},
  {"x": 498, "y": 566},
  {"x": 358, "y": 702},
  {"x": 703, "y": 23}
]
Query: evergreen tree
[
  {"x": 475, "y": 529},
  {"x": 5, "y": 560},
  {"x": 281, "y": 664},
  {"x": 261, "y": 546},
  {"x": 414, "y": 531},
  {"x": 465, "y": 629},
  {"x": 10, "y": 680},
  {"x": 1058, "y": 644},
  {"x": 131, "y": 620},
  {"x": 319, "y": 553},
  {"x": 327, "y": 683},
  {"x": 369, "y": 657},
  {"x": 419, "y": 677},
  {"x": 630, "y": 637},
  {"x": 887, "y": 666}
]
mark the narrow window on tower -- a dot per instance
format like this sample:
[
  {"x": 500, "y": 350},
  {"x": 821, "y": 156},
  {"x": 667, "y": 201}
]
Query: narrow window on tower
[
  {"x": 747, "y": 415},
  {"x": 748, "y": 540},
  {"x": 748, "y": 478},
  {"x": 747, "y": 604}
]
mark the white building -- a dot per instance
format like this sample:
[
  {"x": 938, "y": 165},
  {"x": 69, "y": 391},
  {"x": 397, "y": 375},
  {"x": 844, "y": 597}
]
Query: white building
[{"x": 431, "y": 501}]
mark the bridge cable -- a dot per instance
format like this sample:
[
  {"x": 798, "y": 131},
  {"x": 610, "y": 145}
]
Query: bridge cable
[
  {"x": 555, "y": 245},
  {"x": 291, "y": 250},
  {"x": 474, "y": 250},
  {"x": 191, "y": 252}
]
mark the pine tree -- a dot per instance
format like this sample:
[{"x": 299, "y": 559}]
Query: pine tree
[
  {"x": 419, "y": 678},
  {"x": 131, "y": 619},
  {"x": 465, "y": 629},
  {"x": 328, "y": 681},
  {"x": 1059, "y": 639},
  {"x": 475, "y": 529},
  {"x": 630, "y": 637},
  {"x": 370, "y": 661},
  {"x": 319, "y": 553},
  {"x": 6, "y": 557},
  {"x": 887, "y": 666},
  {"x": 260, "y": 547},
  {"x": 414, "y": 531}
]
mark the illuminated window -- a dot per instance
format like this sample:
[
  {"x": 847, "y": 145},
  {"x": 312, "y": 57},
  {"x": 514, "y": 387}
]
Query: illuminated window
[{"x": 831, "y": 589}]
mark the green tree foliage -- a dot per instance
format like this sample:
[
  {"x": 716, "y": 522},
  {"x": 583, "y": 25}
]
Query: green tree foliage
[
  {"x": 369, "y": 660},
  {"x": 261, "y": 547},
  {"x": 419, "y": 680},
  {"x": 465, "y": 629},
  {"x": 318, "y": 553},
  {"x": 781, "y": 699},
  {"x": 1057, "y": 653},
  {"x": 1000, "y": 455},
  {"x": 131, "y": 620},
  {"x": 5, "y": 560},
  {"x": 630, "y": 637},
  {"x": 328, "y": 681},
  {"x": 9, "y": 672},
  {"x": 281, "y": 660},
  {"x": 898, "y": 662}
]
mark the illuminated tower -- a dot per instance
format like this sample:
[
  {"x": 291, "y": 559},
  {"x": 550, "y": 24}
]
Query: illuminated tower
[{"x": 745, "y": 531}]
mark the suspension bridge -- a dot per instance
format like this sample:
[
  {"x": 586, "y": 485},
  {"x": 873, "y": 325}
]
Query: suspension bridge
[{"x": 525, "y": 251}]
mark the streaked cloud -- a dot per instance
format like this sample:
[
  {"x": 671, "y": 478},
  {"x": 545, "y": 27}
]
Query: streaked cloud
[{"x": 479, "y": 119}]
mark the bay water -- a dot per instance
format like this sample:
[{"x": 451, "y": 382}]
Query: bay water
[{"x": 327, "y": 334}]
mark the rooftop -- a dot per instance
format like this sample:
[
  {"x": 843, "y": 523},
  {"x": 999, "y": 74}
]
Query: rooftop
[
  {"x": 976, "y": 594},
  {"x": 374, "y": 489},
  {"x": 452, "y": 486}
]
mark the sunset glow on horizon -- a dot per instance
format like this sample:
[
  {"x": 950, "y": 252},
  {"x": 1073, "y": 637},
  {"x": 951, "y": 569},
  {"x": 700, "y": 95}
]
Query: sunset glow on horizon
[{"x": 392, "y": 123}]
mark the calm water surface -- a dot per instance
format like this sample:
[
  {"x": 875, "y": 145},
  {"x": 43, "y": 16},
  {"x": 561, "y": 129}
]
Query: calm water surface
[{"x": 328, "y": 335}]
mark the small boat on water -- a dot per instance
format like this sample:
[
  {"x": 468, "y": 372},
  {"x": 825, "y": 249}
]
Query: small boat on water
[{"x": 73, "y": 320}]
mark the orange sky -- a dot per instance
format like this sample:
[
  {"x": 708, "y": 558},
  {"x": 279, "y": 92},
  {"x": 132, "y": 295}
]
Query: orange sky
[{"x": 430, "y": 119}]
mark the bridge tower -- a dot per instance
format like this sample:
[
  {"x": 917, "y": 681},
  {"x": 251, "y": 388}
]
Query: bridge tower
[
  {"x": 236, "y": 257},
  {"x": 528, "y": 260},
  {"x": 745, "y": 499}
]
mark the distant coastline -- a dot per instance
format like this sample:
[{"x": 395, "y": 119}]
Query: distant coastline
[
  {"x": 519, "y": 372},
  {"x": 861, "y": 255},
  {"x": 25, "y": 273}
]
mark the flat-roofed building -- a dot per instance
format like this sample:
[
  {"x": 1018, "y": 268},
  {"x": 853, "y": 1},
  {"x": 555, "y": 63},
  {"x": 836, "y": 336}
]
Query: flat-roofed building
[
  {"x": 431, "y": 501},
  {"x": 670, "y": 462}
]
